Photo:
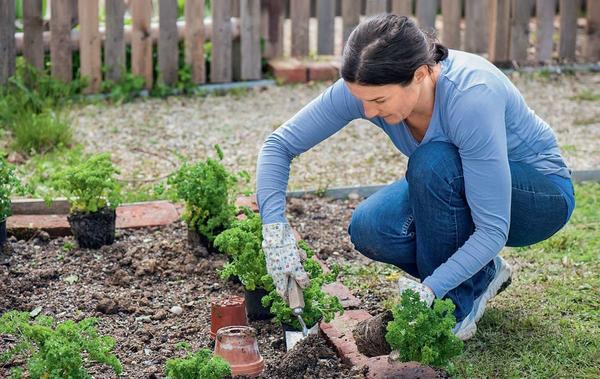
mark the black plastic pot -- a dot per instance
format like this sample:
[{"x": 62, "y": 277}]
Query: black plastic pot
[
  {"x": 254, "y": 308},
  {"x": 93, "y": 230},
  {"x": 199, "y": 244},
  {"x": 2, "y": 233}
]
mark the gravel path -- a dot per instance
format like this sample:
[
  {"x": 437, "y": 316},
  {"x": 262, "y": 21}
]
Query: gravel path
[{"x": 146, "y": 136}]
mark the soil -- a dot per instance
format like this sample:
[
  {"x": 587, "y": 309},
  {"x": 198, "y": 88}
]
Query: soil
[
  {"x": 370, "y": 335},
  {"x": 93, "y": 230},
  {"x": 148, "y": 290}
]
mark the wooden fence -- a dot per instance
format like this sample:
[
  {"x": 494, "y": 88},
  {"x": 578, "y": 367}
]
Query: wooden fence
[{"x": 516, "y": 31}]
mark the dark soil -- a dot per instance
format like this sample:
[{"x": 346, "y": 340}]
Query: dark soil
[
  {"x": 149, "y": 291},
  {"x": 93, "y": 230},
  {"x": 370, "y": 335}
]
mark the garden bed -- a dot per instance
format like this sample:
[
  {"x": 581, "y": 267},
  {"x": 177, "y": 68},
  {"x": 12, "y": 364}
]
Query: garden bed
[{"x": 149, "y": 292}]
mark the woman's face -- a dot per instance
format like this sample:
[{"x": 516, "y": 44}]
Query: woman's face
[{"x": 392, "y": 102}]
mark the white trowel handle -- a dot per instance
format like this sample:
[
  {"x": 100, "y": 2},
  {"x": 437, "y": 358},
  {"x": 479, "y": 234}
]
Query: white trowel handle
[{"x": 295, "y": 295}]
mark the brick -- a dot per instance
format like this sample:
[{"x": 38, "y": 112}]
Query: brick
[
  {"x": 322, "y": 71},
  {"x": 339, "y": 333},
  {"x": 288, "y": 70},
  {"x": 25, "y": 226},
  {"x": 247, "y": 201},
  {"x": 342, "y": 292},
  {"x": 381, "y": 367}
]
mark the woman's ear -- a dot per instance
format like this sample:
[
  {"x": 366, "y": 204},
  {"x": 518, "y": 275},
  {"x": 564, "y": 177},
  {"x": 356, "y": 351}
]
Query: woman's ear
[{"x": 420, "y": 74}]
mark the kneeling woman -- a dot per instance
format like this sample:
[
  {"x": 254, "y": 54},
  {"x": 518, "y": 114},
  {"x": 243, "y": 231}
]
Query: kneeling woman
[{"x": 484, "y": 170}]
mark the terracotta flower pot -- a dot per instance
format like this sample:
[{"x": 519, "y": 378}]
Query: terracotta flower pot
[
  {"x": 238, "y": 346},
  {"x": 230, "y": 311}
]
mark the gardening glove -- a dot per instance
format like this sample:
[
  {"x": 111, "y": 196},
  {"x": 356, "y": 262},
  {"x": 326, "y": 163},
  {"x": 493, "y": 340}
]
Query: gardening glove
[
  {"x": 283, "y": 257},
  {"x": 425, "y": 293}
]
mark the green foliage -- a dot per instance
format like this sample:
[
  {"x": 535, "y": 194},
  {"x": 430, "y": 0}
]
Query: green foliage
[
  {"x": 421, "y": 333},
  {"x": 243, "y": 243},
  {"x": 208, "y": 191},
  {"x": 56, "y": 351},
  {"x": 41, "y": 132},
  {"x": 318, "y": 304},
  {"x": 90, "y": 185},
  {"x": 125, "y": 89},
  {"x": 201, "y": 365},
  {"x": 9, "y": 184}
]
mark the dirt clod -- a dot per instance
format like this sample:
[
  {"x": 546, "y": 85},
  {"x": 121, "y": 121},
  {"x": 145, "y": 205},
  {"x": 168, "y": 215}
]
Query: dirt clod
[{"x": 370, "y": 335}]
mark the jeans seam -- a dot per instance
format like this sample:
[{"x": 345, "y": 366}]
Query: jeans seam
[
  {"x": 537, "y": 193},
  {"x": 406, "y": 225}
]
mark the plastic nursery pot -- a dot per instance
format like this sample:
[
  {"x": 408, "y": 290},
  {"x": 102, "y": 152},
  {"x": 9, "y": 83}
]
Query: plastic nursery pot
[
  {"x": 2, "y": 233},
  {"x": 93, "y": 230},
  {"x": 199, "y": 244},
  {"x": 238, "y": 346},
  {"x": 254, "y": 308},
  {"x": 229, "y": 311}
]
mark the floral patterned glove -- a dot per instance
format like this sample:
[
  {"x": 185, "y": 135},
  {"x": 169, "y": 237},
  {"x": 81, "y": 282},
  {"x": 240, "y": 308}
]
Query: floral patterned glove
[
  {"x": 283, "y": 258},
  {"x": 425, "y": 293}
]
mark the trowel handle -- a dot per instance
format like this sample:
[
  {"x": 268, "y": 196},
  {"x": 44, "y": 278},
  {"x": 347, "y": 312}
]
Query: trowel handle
[{"x": 295, "y": 294}]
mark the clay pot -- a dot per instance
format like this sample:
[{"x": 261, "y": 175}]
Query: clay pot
[
  {"x": 254, "y": 308},
  {"x": 93, "y": 230},
  {"x": 230, "y": 311},
  {"x": 238, "y": 346}
]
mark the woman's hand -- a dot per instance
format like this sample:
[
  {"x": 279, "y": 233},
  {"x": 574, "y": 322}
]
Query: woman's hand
[
  {"x": 283, "y": 257},
  {"x": 425, "y": 293}
]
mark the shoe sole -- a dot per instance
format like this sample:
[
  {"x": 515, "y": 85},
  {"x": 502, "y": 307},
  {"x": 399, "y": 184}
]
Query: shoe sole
[{"x": 505, "y": 279}]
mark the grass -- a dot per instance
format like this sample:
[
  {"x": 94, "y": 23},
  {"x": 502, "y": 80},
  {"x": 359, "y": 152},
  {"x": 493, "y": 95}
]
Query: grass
[
  {"x": 586, "y": 95},
  {"x": 546, "y": 324}
]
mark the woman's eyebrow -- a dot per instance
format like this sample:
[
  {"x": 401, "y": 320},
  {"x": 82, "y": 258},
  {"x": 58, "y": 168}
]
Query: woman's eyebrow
[{"x": 377, "y": 98}]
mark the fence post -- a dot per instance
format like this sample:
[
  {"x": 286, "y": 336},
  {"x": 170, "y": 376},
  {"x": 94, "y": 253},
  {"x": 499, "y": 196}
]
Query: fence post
[
  {"x": 33, "y": 42},
  {"x": 451, "y": 10},
  {"x": 250, "y": 39},
  {"x": 194, "y": 39},
  {"x": 141, "y": 41},
  {"x": 89, "y": 45},
  {"x": 545, "y": 10},
  {"x": 299, "y": 14},
  {"x": 168, "y": 42},
  {"x": 375, "y": 7},
  {"x": 402, "y": 7},
  {"x": 476, "y": 25},
  {"x": 60, "y": 40},
  {"x": 592, "y": 31},
  {"x": 326, "y": 26},
  {"x": 221, "y": 66},
  {"x": 351, "y": 16},
  {"x": 499, "y": 38},
  {"x": 272, "y": 27},
  {"x": 7, "y": 40},
  {"x": 519, "y": 30},
  {"x": 114, "y": 43},
  {"x": 568, "y": 29},
  {"x": 426, "y": 11}
]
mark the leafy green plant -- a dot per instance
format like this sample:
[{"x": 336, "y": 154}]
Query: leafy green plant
[
  {"x": 9, "y": 184},
  {"x": 200, "y": 365},
  {"x": 125, "y": 89},
  {"x": 318, "y": 304},
  {"x": 90, "y": 185},
  {"x": 243, "y": 243},
  {"x": 56, "y": 350},
  {"x": 208, "y": 190},
  {"x": 41, "y": 132},
  {"x": 423, "y": 334}
]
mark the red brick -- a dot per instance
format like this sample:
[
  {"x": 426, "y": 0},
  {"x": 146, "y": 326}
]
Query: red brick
[
  {"x": 288, "y": 70},
  {"x": 247, "y": 201},
  {"x": 381, "y": 367},
  {"x": 24, "y": 226},
  {"x": 339, "y": 333},
  {"x": 322, "y": 71},
  {"x": 342, "y": 292}
]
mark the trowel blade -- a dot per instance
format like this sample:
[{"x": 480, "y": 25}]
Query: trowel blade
[{"x": 293, "y": 337}]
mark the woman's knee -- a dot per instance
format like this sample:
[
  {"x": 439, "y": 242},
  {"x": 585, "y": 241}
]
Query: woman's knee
[{"x": 432, "y": 161}]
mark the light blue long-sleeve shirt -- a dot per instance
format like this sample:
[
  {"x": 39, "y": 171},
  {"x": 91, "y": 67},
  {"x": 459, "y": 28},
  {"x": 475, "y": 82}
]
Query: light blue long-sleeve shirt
[{"x": 477, "y": 108}]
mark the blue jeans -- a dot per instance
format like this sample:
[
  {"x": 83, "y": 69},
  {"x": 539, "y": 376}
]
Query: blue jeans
[{"x": 383, "y": 226}]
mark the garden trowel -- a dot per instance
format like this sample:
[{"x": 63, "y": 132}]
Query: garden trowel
[{"x": 296, "y": 301}]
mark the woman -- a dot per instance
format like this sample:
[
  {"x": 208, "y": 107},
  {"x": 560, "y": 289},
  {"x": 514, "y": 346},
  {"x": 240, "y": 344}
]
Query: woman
[{"x": 484, "y": 171}]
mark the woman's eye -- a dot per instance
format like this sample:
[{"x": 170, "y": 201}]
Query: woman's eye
[{"x": 379, "y": 101}]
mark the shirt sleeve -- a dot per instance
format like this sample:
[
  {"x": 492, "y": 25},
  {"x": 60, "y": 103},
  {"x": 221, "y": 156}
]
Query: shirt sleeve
[
  {"x": 320, "y": 119},
  {"x": 477, "y": 127}
]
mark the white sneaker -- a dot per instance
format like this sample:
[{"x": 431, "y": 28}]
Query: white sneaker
[{"x": 502, "y": 278}]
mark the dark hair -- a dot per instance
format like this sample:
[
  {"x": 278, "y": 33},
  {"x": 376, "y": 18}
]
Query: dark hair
[{"x": 388, "y": 49}]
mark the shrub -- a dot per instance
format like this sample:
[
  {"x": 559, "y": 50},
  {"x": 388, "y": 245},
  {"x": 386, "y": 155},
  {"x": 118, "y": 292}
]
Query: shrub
[
  {"x": 90, "y": 185},
  {"x": 208, "y": 191},
  {"x": 56, "y": 351},
  {"x": 318, "y": 304},
  {"x": 423, "y": 334},
  {"x": 243, "y": 243},
  {"x": 41, "y": 132},
  {"x": 201, "y": 365},
  {"x": 9, "y": 184}
]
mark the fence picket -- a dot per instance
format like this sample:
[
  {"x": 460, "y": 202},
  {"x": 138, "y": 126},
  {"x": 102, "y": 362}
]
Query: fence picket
[
  {"x": 350, "y": 16},
  {"x": 476, "y": 25},
  {"x": 451, "y": 10},
  {"x": 519, "y": 30},
  {"x": 114, "y": 43},
  {"x": 375, "y": 7},
  {"x": 592, "y": 31},
  {"x": 426, "y": 11},
  {"x": 33, "y": 33},
  {"x": 402, "y": 7},
  {"x": 89, "y": 45},
  {"x": 568, "y": 29},
  {"x": 499, "y": 37},
  {"x": 221, "y": 69},
  {"x": 299, "y": 15},
  {"x": 141, "y": 44},
  {"x": 326, "y": 26},
  {"x": 168, "y": 49},
  {"x": 545, "y": 28},
  {"x": 60, "y": 39},
  {"x": 194, "y": 39},
  {"x": 250, "y": 39}
]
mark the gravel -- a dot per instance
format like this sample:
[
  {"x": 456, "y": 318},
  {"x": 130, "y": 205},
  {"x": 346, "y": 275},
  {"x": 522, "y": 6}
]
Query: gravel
[{"x": 146, "y": 136}]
